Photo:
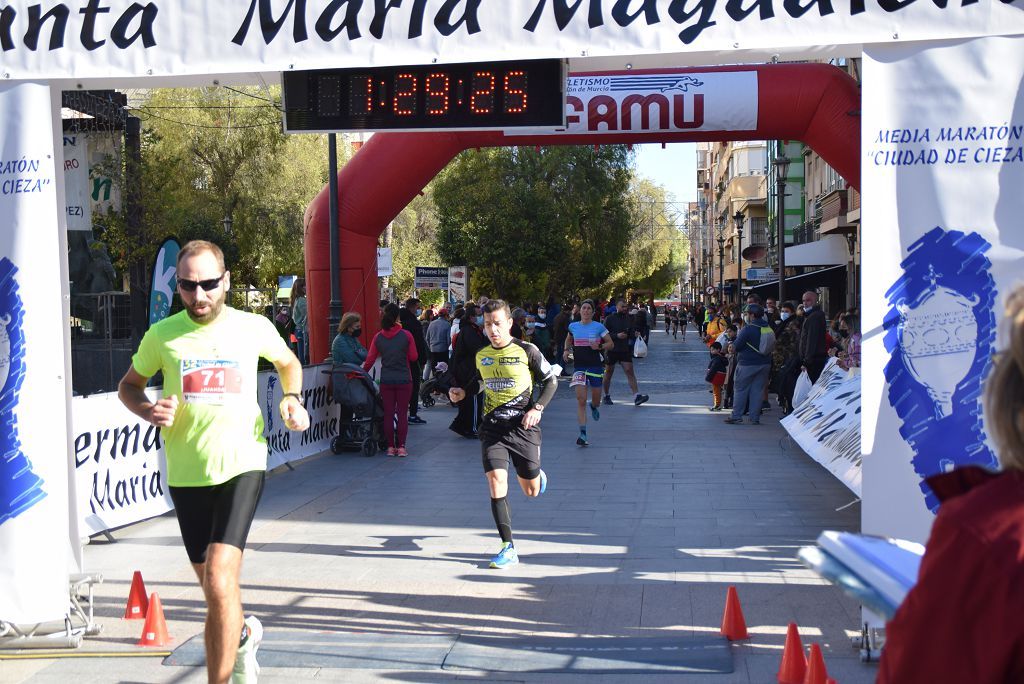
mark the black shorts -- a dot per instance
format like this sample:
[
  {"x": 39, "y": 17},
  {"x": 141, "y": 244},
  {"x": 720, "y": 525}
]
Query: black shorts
[
  {"x": 615, "y": 357},
  {"x": 219, "y": 514},
  {"x": 518, "y": 443}
]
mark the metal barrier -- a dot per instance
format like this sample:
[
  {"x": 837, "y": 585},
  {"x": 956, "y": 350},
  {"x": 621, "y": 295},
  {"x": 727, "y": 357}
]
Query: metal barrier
[
  {"x": 101, "y": 334},
  {"x": 101, "y": 341}
]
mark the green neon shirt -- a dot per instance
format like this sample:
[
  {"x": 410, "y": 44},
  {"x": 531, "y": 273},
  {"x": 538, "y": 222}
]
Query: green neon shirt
[{"x": 218, "y": 429}]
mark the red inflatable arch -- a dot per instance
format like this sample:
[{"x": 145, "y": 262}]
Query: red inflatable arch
[{"x": 816, "y": 104}]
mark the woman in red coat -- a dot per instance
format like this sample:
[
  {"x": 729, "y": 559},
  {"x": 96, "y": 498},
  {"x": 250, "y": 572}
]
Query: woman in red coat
[{"x": 964, "y": 620}]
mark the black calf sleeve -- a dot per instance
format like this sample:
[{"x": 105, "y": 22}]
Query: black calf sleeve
[{"x": 502, "y": 517}]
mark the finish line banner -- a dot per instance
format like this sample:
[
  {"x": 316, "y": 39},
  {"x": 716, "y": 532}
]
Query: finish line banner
[
  {"x": 943, "y": 134},
  {"x": 180, "y": 37},
  {"x": 827, "y": 424},
  {"x": 120, "y": 461}
]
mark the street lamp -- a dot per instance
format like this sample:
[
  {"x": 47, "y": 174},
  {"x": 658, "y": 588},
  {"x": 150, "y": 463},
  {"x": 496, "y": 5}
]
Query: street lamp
[
  {"x": 738, "y": 220},
  {"x": 721, "y": 263},
  {"x": 781, "y": 164}
]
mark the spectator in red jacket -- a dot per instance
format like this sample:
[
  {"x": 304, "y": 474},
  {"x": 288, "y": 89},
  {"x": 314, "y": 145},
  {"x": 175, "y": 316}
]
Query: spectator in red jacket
[{"x": 962, "y": 622}]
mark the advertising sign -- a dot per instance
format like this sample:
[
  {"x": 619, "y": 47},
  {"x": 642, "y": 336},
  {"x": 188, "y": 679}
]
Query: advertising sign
[
  {"x": 458, "y": 283},
  {"x": 827, "y": 424},
  {"x": 161, "y": 38},
  {"x": 76, "y": 182},
  {"x": 119, "y": 458},
  {"x": 662, "y": 101},
  {"x": 384, "y": 262},
  {"x": 943, "y": 163},
  {"x": 165, "y": 281},
  {"x": 431, "y": 278}
]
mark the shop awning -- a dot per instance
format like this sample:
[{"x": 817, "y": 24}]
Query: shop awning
[{"x": 833, "y": 276}]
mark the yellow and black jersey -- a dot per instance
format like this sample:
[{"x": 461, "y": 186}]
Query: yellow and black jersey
[{"x": 507, "y": 376}]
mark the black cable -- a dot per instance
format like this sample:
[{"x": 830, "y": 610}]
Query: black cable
[{"x": 197, "y": 125}]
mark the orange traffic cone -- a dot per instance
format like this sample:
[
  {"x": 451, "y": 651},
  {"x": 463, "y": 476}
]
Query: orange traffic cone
[
  {"x": 154, "y": 632},
  {"x": 816, "y": 672},
  {"x": 138, "y": 604},
  {"x": 733, "y": 625},
  {"x": 794, "y": 664}
]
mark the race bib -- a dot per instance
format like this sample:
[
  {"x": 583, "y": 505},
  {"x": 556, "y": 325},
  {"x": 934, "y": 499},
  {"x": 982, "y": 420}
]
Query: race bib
[
  {"x": 579, "y": 379},
  {"x": 210, "y": 381}
]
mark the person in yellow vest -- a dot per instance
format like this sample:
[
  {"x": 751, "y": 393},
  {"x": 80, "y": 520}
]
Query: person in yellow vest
[{"x": 716, "y": 326}]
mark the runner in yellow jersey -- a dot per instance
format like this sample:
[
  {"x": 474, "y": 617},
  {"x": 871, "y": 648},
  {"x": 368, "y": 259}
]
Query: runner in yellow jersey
[
  {"x": 506, "y": 373},
  {"x": 213, "y": 434}
]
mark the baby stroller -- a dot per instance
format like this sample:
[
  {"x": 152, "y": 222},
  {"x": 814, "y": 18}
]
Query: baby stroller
[
  {"x": 439, "y": 383},
  {"x": 362, "y": 410}
]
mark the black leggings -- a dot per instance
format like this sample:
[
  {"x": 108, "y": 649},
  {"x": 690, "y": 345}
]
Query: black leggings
[{"x": 218, "y": 514}]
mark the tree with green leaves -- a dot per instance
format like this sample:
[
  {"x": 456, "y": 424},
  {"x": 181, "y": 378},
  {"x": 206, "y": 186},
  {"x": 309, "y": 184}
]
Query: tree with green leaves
[
  {"x": 531, "y": 223},
  {"x": 217, "y": 166}
]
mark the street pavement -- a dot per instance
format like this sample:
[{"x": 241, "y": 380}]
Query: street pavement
[{"x": 639, "y": 534}]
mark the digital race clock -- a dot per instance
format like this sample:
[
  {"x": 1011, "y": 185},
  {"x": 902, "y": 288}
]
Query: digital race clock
[{"x": 495, "y": 95}]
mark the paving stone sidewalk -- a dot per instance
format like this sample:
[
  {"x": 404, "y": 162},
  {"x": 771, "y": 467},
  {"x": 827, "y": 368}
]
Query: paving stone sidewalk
[{"x": 638, "y": 535}]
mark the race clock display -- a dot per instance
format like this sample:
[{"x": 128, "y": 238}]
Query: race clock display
[{"x": 477, "y": 95}]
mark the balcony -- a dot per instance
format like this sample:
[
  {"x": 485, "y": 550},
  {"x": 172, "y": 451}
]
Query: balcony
[
  {"x": 852, "y": 205},
  {"x": 757, "y": 231},
  {"x": 808, "y": 231},
  {"x": 833, "y": 208}
]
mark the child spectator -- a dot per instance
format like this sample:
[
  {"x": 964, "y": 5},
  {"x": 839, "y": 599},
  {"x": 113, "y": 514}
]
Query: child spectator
[
  {"x": 730, "y": 374},
  {"x": 716, "y": 374}
]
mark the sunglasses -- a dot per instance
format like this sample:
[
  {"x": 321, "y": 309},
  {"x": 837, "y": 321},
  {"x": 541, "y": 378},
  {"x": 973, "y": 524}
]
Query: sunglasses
[{"x": 207, "y": 285}]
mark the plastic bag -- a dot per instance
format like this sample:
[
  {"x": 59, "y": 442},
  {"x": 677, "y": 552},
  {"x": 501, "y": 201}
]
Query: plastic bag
[
  {"x": 639, "y": 348},
  {"x": 803, "y": 388}
]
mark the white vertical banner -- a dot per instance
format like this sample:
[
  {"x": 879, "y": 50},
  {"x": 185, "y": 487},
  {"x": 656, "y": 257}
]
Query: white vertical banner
[
  {"x": 34, "y": 493},
  {"x": 943, "y": 172},
  {"x": 76, "y": 181},
  {"x": 384, "y": 262}
]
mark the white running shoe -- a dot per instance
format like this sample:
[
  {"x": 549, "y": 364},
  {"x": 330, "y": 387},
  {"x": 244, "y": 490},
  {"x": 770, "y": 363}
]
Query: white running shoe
[{"x": 247, "y": 669}]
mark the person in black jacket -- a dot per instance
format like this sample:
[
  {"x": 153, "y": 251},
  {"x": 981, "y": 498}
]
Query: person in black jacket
[
  {"x": 620, "y": 326},
  {"x": 410, "y": 321},
  {"x": 813, "y": 354},
  {"x": 470, "y": 340}
]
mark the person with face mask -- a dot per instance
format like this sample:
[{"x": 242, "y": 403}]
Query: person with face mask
[
  {"x": 542, "y": 332},
  {"x": 346, "y": 347},
  {"x": 813, "y": 352},
  {"x": 471, "y": 339},
  {"x": 786, "y": 356}
]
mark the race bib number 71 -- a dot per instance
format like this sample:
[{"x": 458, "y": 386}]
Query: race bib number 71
[{"x": 210, "y": 381}]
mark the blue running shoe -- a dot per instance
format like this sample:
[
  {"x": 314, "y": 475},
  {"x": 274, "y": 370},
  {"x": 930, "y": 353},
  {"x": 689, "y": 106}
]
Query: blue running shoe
[
  {"x": 543, "y": 482},
  {"x": 594, "y": 412},
  {"x": 507, "y": 556}
]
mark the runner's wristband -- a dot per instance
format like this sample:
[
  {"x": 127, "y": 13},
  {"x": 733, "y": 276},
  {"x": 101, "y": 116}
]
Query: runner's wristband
[{"x": 298, "y": 397}]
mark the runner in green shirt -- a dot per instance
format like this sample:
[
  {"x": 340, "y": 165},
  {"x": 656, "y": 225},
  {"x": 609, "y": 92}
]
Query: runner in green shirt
[{"x": 213, "y": 435}]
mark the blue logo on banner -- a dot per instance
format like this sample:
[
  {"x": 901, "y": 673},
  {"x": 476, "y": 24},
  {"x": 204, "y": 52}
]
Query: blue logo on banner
[
  {"x": 271, "y": 381},
  {"x": 940, "y": 335},
  {"x": 660, "y": 83},
  {"x": 20, "y": 488}
]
